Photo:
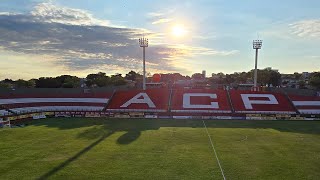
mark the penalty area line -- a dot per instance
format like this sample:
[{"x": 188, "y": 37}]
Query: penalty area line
[{"x": 214, "y": 150}]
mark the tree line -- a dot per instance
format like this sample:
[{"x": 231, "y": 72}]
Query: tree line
[
  {"x": 266, "y": 77},
  {"x": 67, "y": 81}
]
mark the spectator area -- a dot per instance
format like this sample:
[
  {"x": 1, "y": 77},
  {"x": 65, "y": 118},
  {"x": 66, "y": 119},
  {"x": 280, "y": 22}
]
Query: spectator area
[
  {"x": 72, "y": 102},
  {"x": 306, "y": 104}
]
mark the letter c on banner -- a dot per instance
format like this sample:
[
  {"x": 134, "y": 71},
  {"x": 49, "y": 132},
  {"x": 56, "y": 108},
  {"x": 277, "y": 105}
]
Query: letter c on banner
[{"x": 187, "y": 104}]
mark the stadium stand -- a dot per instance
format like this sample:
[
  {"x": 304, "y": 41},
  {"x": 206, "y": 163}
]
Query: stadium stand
[
  {"x": 39, "y": 103},
  {"x": 200, "y": 101},
  {"x": 151, "y": 100},
  {"x": 4, "y": 111},
  {"x": 293, "y": 91},
  {"x": 160, "y": 103},
  {"x": 260, "y": 102},
  {"x": 306, "y": 104}
]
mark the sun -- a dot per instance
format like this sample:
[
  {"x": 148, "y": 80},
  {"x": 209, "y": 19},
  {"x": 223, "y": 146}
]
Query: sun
[{"x": 178, "y": 30}]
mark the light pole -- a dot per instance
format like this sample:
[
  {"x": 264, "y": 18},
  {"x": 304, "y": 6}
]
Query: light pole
[
  {"x": 257, "y": 44},
  {"x": 144, "y": 43}
]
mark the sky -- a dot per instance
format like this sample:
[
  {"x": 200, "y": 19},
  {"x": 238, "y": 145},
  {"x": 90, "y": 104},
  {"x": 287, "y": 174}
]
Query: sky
[{"x": 42, "y": 38}]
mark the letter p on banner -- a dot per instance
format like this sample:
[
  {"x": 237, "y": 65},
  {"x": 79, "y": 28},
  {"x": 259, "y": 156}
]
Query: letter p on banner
[{"x": 248, "y": 100}]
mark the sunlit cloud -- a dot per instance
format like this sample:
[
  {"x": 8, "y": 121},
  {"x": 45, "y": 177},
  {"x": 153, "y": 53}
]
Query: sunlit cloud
[
  {"x": 62, "y": 40},
  {"x": 160, "y": 17},
  {"x": 158, "y": 14},
  {"x": 162, "y": 21},
  {"x": 155, "y": 14},
  {"x": 306, "y": 28},
  {"x": 50, "y": 13},
  {"x": 184, "y": 50},
  {"x": 21, "y": 65},
  {"x": 77, "y": 40}
]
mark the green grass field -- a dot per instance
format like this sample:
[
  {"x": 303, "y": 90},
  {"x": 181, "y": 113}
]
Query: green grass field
[{"x": 78, "y": 148}]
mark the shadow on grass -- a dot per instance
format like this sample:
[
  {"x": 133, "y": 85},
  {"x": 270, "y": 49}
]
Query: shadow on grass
[
  {"x": 73, "y": 158},
  {"x": 129, "y": 137},
  {"x": 101, "y": 128}
]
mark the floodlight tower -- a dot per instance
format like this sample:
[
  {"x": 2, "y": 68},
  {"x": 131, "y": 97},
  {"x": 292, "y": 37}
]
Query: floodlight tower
[
  {"x": 257, "y": 44},
  {"x": 144, "y": 43}
]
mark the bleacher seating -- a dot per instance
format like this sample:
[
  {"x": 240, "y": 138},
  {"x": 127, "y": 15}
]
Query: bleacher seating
[
  {"x": 151, "y": 100},
  {"x": 176, "y": 102},
  {"x": 260, "y": 102},
  {"x": 199, "y": 101},
  {"x": 4, "y": 112},
  {"x": 38, "y": 103},
  {"x": 306, "y": 104}
]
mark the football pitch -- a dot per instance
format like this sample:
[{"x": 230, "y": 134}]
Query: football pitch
[{"x": 89, "y": 148}]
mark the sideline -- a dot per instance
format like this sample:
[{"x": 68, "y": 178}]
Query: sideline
[{"x": 214, "y": 150}]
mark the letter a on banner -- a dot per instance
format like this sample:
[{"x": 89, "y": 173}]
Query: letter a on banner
[
  {"x": 144, "y": 100},
  {"x": 249, "y": 102},
  {"x": 187, "y": 103}
]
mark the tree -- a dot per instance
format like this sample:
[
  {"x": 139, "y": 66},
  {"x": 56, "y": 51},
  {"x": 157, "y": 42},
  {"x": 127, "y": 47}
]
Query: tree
[
  {"x": 301, "y": 84},
  {"x": 47, "y": 82},
  {"x": 274, "y": 78},
  {"x": 100, "y": 79},
  {"x": 71, "y": 82},
  {"x": 315, "y": 80},
  {"x": 267, "y": 76},
  {"x": 5, "y": 85},
  {"x": 297, "y": 76},
  {"x": 133, "y": 76},
  {"x": 243, "y": 77},
  {"x": 229, "y": 78},
  {"x": 118, "y": 80},
  {"x": 32, "y": 83},
  {"x": 197, "y": 76},
  {"x": 10, "y": 81},
  {"x": 20, "y": 83},
  {"x": 64, "y": 81}
]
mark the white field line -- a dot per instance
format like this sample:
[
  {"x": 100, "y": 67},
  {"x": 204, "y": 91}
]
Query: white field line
[{"x": 214, "y": 150}]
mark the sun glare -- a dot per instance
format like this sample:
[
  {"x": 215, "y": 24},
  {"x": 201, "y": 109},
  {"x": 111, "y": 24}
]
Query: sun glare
[{"x": 179, "y": 30}]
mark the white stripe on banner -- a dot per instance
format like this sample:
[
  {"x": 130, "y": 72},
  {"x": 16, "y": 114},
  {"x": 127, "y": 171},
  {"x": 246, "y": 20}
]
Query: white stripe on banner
[
  {"x": 4, "y": 112},
  {"x": 53, "y": 100},
  {"x": 202, "y": 111},
  {"x": 309, "y": 111},
  {"x": 306, "y": 103},
  {"x": 59, "y": 108},
  {"x": 137, "y": 110},
  {"x": 268, "y": 112}
]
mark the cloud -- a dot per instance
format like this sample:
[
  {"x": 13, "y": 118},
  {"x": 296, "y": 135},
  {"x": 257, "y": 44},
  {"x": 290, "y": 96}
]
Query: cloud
[
  {"x": 77, "y": 43},
  {"x": 160, "y": 17},
  {"x": 189, "y": 51},
  {"x": 19, "y": 65},
  {"x": 78, "y": 40},
  {"x": 47, "y": 12},
  {"x": 306, "y": 28},
  {"x": 155, "y": 14},
  {"x": 161, "y": 21}
]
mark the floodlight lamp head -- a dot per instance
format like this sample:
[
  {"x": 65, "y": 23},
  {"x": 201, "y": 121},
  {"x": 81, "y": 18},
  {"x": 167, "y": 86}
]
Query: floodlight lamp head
[
  {"x": 143, "y": 42},
  {"x": 257, "y": 44}
]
